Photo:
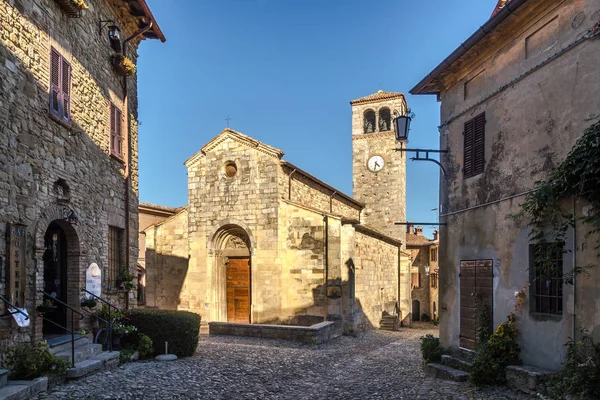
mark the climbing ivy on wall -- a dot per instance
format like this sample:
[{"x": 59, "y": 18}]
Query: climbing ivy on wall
[{"x": 577, "y": 177}]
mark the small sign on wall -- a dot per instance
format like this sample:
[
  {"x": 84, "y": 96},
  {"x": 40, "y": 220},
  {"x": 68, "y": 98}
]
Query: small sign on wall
[
  {"x": 17, "y": 275},
  {"x": 93, "y": 280}
]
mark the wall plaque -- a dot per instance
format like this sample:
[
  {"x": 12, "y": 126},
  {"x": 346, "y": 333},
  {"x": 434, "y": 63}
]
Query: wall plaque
[
  {"x": 93, "y": 280},
  {"x": 17, "y": 273}
]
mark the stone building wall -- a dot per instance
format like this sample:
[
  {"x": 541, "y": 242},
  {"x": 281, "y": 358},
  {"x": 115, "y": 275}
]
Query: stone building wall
[
  {"x": 302, "y": 252},
  {"x": 383, "y": 192},
  {"x": 167, "y": 254},
  {"x": 249, "y": 200},
  {"x": 376, "y": 278},
  {"x": 531, "y": 125},
  {"x": 37, "y": 151}
]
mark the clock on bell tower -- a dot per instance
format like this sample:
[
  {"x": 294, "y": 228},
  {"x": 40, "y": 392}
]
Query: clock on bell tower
[{"x": 379, "y": 172}]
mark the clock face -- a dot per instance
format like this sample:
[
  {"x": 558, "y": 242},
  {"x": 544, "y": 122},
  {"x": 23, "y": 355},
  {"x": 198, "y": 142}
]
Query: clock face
[{"x": 375, "y": 163}]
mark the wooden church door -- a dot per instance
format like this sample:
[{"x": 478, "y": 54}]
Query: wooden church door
[{"x": 238, "y": 290}]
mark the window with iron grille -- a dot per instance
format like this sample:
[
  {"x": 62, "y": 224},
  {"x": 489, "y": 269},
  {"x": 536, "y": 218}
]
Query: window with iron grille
[
  {"x": 434, "y": 254},
  {"x": 474, "y": 146},
  {"x": 546, "y": 272},
  {"x": 433, "y": 278},
  {"x": 60, "y": 86},
  {"x": 115, "y": 255},
  {"x": 116, "y": 132}
]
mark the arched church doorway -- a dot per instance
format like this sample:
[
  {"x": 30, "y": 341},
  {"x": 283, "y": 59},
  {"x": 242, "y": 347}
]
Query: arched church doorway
[
  {"x": 416, "y": 310},
  {"x": 234, "y": 273},
  {"x": 58, "y": 254}
]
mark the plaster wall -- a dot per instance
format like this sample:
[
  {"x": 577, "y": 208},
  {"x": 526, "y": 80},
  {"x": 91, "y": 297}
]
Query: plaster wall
[{"x": 530, "y": 127}]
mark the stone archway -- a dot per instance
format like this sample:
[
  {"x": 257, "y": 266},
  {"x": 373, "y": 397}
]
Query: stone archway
[
  {"x": 55, "y": 221},
  {"x": 231, "y": 277}
]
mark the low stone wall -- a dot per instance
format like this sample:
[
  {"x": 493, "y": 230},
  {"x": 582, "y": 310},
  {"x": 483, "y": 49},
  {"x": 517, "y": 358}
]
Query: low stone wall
[{"x": 315, "y": 334}]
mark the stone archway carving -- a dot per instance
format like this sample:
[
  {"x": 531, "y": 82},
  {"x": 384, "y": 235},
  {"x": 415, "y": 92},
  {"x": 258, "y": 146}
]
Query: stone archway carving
[{"x": 229, "y": 244}]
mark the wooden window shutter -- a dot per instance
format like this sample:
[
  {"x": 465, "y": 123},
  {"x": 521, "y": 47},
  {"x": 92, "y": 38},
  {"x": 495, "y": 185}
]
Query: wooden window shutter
[
  {"x": 66, "y": 89},
  {"x": 468, "y": 148},
  {"x": 474, "y": 146},
  {"x": 55, "y": 81},
  {"x": 119, "y": 132},
  {"x": 479, "y": 145},
  {"x": 113, "y": 129}
]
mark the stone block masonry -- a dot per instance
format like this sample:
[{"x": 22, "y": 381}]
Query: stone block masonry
[{"x": 54, "y": 169}]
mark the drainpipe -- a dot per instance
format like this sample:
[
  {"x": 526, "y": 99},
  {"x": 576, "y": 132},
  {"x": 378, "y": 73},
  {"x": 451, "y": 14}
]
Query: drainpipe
[
  {"x": 128, "y": 161},
  {"x": 290, "y": 185},
  {"x": 574, "y": 265}
]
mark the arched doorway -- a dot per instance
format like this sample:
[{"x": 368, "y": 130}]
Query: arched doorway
[
  {"x": 233, "y": 274},
  {"x": 416, "y": 310},
  {"x": 61, "y": 253}
]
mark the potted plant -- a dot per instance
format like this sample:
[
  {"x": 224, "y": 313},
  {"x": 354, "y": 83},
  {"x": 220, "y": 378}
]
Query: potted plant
[
  {"x": 89, "y": 303},
  {"x": 123, "y": 65},
  {"x": 47, "y": 306},
  {"x": 125, "y": 280},
  {"x": 72, "y": 8}
]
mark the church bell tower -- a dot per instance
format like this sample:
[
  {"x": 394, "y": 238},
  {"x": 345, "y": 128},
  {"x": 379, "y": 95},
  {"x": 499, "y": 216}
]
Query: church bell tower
[{"x": 379, "y": 172}]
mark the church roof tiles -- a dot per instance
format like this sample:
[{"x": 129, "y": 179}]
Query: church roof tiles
[{"x": 379, "y": 96}]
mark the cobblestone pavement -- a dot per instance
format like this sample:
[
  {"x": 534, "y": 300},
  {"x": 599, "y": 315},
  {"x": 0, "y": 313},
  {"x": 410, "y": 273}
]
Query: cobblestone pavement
[{"x": 374, "y": 365}]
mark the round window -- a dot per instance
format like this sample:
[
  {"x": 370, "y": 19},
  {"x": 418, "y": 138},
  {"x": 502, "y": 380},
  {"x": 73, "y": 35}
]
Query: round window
[{"x": 230, "y": 169}]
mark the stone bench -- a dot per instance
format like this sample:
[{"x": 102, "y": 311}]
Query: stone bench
[
  {"x": 315, "y": 334},
  {"x": 527, "y": 379}
]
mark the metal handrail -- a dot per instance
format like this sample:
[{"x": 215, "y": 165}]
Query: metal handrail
[
  {"x": 72, "y": 331},
  {"x": 109, "y": 322},
  {"x": 15, "y": 308}
]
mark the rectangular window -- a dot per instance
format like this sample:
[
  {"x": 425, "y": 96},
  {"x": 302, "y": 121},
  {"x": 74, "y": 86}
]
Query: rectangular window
[
  {"x": 474, "y": 146},
  {"x": 546, "y": 289},
  {"x": 415, "y": 279},
  {"x": 116, "y": 134},
  {"x": 60, "y": 87},
  {"x": 434, "y": 254},
  {"x": 434, "y": 280},
  {"x": 115, "y": 255}
]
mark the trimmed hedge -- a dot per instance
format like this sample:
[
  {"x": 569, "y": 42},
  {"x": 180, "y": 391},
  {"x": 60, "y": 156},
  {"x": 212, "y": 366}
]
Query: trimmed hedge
[{"x": 179, "y": 328}]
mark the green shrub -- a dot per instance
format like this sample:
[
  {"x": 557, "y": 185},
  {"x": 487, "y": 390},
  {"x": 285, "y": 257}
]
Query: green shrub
[
  {"x": 27, "y": 362},
  {"x": 580, "y": 376},
  {"x": 179, "y": 328},
  {"x": 431, "y": 349},
  {"x": 499, "y": 351}
]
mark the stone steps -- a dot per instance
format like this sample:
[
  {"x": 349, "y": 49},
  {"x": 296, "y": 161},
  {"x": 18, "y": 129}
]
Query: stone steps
[
  {"x": 82, "y": 353},
  {"x": 527, "y": 379},
  {"x": 457, "y": 362},
  {"x": 63, "y": 343},
  {"x": 445, "y": 372},
  {"x": 389, "y": 323},
  {"x": 20, "y": 390}
]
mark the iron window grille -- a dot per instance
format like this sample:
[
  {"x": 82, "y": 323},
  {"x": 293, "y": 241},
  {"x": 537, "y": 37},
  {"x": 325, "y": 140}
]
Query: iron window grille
[
  {"x": 434, "y": 280},
  {"x": 546, "y": 290},
  {"x": 115, "y": 252}
]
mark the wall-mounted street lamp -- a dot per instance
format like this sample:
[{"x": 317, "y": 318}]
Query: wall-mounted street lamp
[
  {"x": 427, "y": 267},
  {"x": 401, "y": 129},
  {"x": 114, "y": 34}
]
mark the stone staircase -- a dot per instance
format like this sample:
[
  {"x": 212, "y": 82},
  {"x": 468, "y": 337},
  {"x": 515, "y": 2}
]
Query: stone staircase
[
  {"x": 452, "y": 368},
  {"x": 389, "y": 323},
  {"x": 20, "y": 390},
  {"x": 89, "y": 357}
]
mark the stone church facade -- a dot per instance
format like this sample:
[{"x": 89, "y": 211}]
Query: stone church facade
[
  {"x": 262, "y": 241},
  {"x": 68, "y": 151}
]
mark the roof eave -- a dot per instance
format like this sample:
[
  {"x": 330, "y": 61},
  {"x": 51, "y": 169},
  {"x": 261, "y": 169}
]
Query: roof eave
[
  {"x": 430, "y": 84},
  {"x": 155, "y": 28}
]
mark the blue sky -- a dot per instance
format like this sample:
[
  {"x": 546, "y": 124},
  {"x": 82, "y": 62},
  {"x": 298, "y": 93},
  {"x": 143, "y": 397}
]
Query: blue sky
[{"x": 285, "y": 71}]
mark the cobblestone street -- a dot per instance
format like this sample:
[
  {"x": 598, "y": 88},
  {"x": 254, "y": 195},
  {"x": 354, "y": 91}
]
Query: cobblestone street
[{"x": 375, "y": 365}]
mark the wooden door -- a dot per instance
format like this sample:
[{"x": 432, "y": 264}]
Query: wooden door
[
  {"x": 476, "y": 280},
  {"x": 238, "y": 290}
]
